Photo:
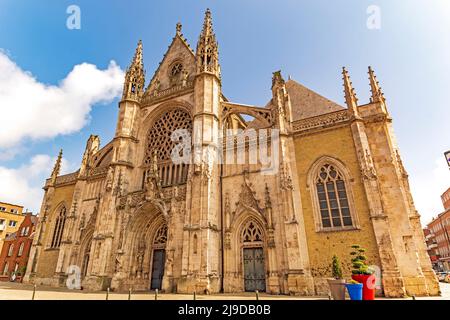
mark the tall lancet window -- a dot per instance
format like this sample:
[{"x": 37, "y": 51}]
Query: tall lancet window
[
  {"x": 330, "y": 184},
  {"x": 59, "y": 228},
  {"x": 333, "y": 199}
]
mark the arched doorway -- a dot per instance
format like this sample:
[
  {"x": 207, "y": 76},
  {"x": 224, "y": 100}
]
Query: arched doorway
[
  {"x": 253, "y": 258},
  {"x": 158, "y": 257}
]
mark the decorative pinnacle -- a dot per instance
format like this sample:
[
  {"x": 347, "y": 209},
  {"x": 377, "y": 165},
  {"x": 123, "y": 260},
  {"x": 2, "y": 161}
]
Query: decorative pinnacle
[
  {"x": 277, "y": 78},
  {"x": 207, "y": 48},
  {"x": 377, "y": 94},
  {"x": 179, "y": 27},
  {"x": 138, "y": 59},
  {"x": 350, "y": 95},
  {"x": 135, "y": 76},
  {"x": 57, "y": 167}
]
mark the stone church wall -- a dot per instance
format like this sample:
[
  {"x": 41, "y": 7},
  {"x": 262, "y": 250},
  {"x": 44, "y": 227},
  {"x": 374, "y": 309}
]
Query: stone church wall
[{"x": 336, "y": 143}]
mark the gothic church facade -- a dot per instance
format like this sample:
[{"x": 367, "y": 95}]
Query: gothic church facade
[{"x": 130, "y": 217}]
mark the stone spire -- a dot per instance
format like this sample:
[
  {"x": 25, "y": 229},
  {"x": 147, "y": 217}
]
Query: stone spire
[
  {"x": 377, "y": 94},
  {"x": 135, "y": 76},
  {"x": 350, "y": 96},
  {"x": 207, "y": 55},
  {"x": 57, "y": 167}
]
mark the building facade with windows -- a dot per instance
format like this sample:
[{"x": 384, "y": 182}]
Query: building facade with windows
[
  {"x": 324, "y": 178},
  {"x": 440, "y": 229},
  {"x": 11, "y": 216},
  {"x": 432, "y": 248},
  {"x": 16, "y": 250}
]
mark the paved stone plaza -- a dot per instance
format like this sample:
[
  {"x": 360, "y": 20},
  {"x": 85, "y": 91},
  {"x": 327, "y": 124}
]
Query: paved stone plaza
[{"x": 14, "y": 291}]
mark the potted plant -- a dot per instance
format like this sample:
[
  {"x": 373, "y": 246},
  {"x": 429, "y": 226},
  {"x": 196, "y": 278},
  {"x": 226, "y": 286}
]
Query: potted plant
[
  {"x": 337, "y": 283},
  {"x": 355, "y": 290},
  {"x": 362, "y": 273}
]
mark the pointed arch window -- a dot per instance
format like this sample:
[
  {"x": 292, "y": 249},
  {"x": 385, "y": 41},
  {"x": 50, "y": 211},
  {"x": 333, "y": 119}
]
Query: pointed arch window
[
  {"x": 333, "y": 200},
  {"x": 5, "y": 268},
  {"x": 332, "y": 197},
  {"x": 59, "y": 228},
  {"x": 10, "y": 250},
  {"x": 19, "y": 254}
]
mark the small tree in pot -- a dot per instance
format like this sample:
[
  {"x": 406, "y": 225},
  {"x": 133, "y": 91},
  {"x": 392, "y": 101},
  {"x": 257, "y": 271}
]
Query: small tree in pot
[
  {"x": 337, "y": 284},
  {"x": 362, "y": 273}
]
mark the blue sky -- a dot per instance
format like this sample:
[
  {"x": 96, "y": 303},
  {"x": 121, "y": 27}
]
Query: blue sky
[{"x": 308, "y": 40}]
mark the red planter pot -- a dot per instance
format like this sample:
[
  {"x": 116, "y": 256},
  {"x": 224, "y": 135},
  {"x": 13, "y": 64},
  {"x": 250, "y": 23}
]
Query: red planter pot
[{"x": 368, "y": 282}]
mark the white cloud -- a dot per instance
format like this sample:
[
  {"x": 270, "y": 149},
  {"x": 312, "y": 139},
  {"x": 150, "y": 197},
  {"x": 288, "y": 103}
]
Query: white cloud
[
  {"x": 33, "y": 110},
  {"x": 427, "y": 189},
  {"x": 23, "y": 185}
]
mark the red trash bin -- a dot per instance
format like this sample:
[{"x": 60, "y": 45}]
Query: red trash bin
[{"x": 368, "y": 281}]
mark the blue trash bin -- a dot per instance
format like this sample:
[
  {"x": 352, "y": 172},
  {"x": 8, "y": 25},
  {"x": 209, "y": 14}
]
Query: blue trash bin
[{"x": 355, "y": 290}]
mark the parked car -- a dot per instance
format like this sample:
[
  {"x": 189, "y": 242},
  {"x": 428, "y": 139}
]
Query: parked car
[{"x": 444, "y": 276}]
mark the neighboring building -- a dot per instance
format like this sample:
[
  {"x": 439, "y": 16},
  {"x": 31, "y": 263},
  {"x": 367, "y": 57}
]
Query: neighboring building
[
  {"x": 431, "y": 242},
  {"x": 446, "y": 199},
  {"x": 131, "y": 217},
  {"x": 11, "y": 216},
  {"x": 16, "y": 250},
  {"x": 440, "y": 228}
]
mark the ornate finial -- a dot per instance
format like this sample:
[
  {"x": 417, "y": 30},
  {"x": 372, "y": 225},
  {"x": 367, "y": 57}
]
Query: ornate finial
[
  {"x": 350, "y": 95},
  {"x": 57, "y": 167},
  {"x": 208, "y": 15},
  {"x": 377, "y": 94},
  {"x": 179, "y": 26}
]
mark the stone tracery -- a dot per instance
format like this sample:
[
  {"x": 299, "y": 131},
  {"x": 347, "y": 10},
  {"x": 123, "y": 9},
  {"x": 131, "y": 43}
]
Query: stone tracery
[
  {"x": 159, "y": 136},
  {"x": 160, "y": 146}
]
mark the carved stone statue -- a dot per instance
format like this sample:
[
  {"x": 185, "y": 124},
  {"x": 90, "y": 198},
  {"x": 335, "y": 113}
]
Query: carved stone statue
[
  {"x": 153, "y": 182},
  {"x": 184, "y": 78},
  {"x": 157, "y": 85},
  {"x": 140, "y": 257},
  {"x": 109, "y": 179},
  {"x": 118, "y": 263},
  {"x": 82, "y": 221}
]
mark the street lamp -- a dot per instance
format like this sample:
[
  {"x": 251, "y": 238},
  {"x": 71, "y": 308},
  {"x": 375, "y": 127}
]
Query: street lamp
[{"x": 447, "y": 157}]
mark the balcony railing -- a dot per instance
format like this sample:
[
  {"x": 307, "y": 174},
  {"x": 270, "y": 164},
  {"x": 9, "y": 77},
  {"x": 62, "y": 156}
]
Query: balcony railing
[{"x": 432, "y": 246}]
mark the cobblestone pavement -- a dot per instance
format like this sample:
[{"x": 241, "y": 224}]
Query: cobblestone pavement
[{"x": 14, "y": 291}]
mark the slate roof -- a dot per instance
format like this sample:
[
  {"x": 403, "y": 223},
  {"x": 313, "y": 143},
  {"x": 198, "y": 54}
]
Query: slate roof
[{"x": 307, "y": 103}]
